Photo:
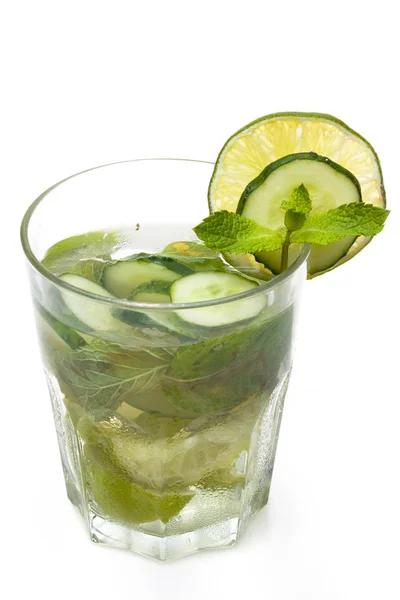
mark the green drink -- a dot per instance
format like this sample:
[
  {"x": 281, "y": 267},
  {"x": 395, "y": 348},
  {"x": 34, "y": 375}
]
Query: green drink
[
  {"x": 168, "y": 359},
  {"x": 169, "y": 417}
]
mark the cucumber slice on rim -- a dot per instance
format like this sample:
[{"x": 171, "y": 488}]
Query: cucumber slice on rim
[
  {"x": 213, "y": 285},
  {"x": 329, "y": 185},
  {"x": 95, "y": 315},
  {"x": 122, "y": 277},
  {"x": 263, "y": 141},
  {"x": 321, "y": 259}
]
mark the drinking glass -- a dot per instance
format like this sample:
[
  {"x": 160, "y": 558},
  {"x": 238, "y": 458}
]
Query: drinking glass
[{"x": 167, "y": 436}]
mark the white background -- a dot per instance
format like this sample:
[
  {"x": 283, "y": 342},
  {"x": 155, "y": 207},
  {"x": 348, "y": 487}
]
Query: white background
[{"x": 86, "y": 83}]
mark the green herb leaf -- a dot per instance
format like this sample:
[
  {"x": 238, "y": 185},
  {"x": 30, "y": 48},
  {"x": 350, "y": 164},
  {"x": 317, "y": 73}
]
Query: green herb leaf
[
  {"x": 299, "y": 201},
  {"x": 204, "y": 359},
  {"x": 214, "y": 375},
  {"x": 209, "y": 357},
  {"x": 230, "y": 232},
  {"x": 71, "y": 255},
  {"x": 356, "y": 218},
  {"x": 220, "y": 392},
  {"x": 104, "y": 375}
]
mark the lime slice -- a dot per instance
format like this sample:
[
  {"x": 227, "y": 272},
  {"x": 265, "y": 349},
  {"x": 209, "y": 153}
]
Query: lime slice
[
  {"x": 136, "y": 477},
  {"x": 123, "y": 501},
  {"x": 157, "y": 458},
  {"x": 258, "y": 144}
]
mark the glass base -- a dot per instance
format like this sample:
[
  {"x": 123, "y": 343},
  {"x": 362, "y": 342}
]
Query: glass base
[
  {"x": 211, "y": 519},
  {"x": 218, "y": 535}
]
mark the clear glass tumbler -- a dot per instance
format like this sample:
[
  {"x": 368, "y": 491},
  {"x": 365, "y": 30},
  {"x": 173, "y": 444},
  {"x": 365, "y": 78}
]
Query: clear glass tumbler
[{"x": 167, "y": 437}]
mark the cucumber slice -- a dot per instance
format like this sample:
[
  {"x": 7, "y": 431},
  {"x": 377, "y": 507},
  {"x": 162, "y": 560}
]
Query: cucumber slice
[
  {"x": 95, "y": 315},
  {"x": 213, "y": 285},
  {"x": 61, "y": 336},
  {"x": 50, "y": 341},
  {"x": 329, "y": 185},
  {"x": 156, "y": 292},
  {"x": 170, "y": 262},
  {"x": 321, "y": 258},
  {"x": 122, "y": 277}
]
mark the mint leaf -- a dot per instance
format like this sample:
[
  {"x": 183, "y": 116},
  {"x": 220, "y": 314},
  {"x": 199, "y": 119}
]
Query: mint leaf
[
  {"x": 297, "y": 208},
  {"x": 213, "y": 375},
  {"x": 299, "y": 201},
  {"x": 220, "y": 392},
  {"x": 206, "y": 358},
  {"x": 104, "y": 375},
  {"x": 230, "y": 232},
  {"x": 209, "y": 357},
  {"x": 356, "y": 218},
  {"x": 86, "y": 255}
]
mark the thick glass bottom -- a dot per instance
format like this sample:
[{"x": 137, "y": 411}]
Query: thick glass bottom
[
  {"x": 204, "y": 524},
  {"x": 217, "y": 535},
  {"x": 212, "y": 517}
]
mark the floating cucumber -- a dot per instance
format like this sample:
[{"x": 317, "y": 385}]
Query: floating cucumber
[
  {"x": 211, "y": 286},
  {"x": 94, "y": 314},
  {"x": 154, "y": 292},
  {"x": 59, "y": 335},
  {"x": 124, "y": 276}
]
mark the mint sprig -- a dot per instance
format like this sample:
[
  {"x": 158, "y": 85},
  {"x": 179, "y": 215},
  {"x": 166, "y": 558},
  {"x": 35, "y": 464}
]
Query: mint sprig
[{"x": 234, "y": 233}]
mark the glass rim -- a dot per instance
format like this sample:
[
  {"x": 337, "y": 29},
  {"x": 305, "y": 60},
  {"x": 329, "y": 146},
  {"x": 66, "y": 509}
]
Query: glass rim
[{"x": 264, "y": 286}]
